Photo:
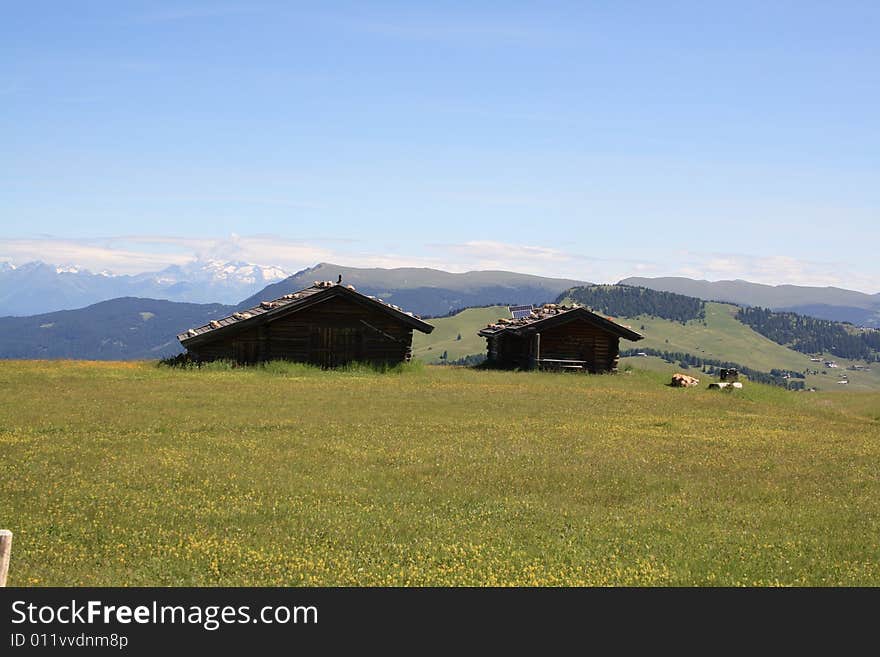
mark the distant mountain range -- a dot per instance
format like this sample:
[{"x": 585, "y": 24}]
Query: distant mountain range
[
  {"x": 37, "y": 287},
  {"x": 132, "y": 328},
  {"x": 832, "y": 303},
  {"x": 427, "y": 292}
]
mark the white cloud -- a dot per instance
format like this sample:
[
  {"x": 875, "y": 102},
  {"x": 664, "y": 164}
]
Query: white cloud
[
  {"x": 494, "y": 255},
  {"x": 136, "y": 254},
  {"x": 772, "y": 270},
  {"x": 139, "y": 253},
  {"x": 537, "y": 259},
  {"x": 265, "y": 250},
  {"x": 93, "y": 256}
]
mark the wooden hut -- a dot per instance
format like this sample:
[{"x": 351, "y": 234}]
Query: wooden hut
[
  {"x": 328, "y": 324},
  {"x": 557, "y": 337}
]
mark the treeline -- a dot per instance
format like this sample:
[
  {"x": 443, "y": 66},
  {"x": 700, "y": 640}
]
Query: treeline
[
  {"x": 712, "y": 365},
  {"x": 810, "y": 335},
  {"x": 629, "y": 301},
  {"x": 466, "y": 361}
]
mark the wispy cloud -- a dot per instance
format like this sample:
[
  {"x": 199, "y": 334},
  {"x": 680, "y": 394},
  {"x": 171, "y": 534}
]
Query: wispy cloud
[
  {"x": 437, "y": 31},
  {"x": 493, "y": 255},
  {"x": 138, "y": 253},
  {"x": 474, "y": 27},
  {"x": 538, "y": 259},
  {"x": 556, "y": 262},
  {"x": 497, "y": 199},
  {"x": 227, "y": 200},
  {"x": 773, "y": 270},
  {"x": 195, "y": 13},
  {"x": 99, "y": 257}
]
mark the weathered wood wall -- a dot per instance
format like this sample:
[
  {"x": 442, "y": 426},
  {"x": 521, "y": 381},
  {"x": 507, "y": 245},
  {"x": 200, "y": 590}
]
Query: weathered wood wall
[
  {"x": 331, "y": 333},
  {"x": 509, "y": 350},
  {"x": 576, "y": 340}
]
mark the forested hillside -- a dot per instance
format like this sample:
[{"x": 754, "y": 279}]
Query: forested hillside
[
  {"x": 119, "y": 329},
  {"x": 831, "y": 303},
  {"x": 813, "y": 336},
  {"x": 627, "y": 301}
]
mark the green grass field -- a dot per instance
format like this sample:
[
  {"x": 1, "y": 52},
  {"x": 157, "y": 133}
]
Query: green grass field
[{"x": 131, "y": 474}]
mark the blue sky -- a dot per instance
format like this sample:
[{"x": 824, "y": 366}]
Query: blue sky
[{"x": 592, "y": 140}]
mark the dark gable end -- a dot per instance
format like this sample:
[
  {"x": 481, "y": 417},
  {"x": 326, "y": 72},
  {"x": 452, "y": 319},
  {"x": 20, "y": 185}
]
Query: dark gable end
[
  {"x": 558, "y": 337},
  {"x": 327, "y": 324}
]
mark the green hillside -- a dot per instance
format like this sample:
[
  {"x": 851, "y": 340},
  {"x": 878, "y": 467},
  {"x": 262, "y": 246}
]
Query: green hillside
[
  {"x": 429, "y": 348},
  {"x": 723, "y": 337},
  {"x": 142, "y": 475},
  {"x": 119, "y": 329},
  {"x": 720, "y": 337}
]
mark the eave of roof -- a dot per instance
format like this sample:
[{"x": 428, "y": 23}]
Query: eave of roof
[
  {"x": 555, "y": 316},
  {"x": 295, "y": 302}
]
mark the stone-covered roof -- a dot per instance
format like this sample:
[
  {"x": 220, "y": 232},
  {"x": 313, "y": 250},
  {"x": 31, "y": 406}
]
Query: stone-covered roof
[
  {"x": 305, "y": 297},
  {"x": 551, "y": 314}
]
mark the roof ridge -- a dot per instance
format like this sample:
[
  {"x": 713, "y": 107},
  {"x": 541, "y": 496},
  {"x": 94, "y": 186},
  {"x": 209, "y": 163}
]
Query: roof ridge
[
  {"x": 272, "y": 304},
  {"x": 549, "y": 311}
]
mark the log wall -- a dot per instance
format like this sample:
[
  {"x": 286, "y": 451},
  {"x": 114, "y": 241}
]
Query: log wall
[
  {"x": 576, "y": 340},
  {"x": 331, "y": 333}
]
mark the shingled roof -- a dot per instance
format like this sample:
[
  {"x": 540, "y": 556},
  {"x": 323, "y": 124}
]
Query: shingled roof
[
  {"x": 318, "y": 292},
  {"x": 550, "y": 315}
]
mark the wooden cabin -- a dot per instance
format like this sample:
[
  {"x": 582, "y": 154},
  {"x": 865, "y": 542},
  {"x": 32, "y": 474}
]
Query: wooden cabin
[
  {"x": 557, "y": 337},
  {"x": 326, "y": 325}
]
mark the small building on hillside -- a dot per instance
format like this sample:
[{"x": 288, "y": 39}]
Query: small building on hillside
[
  {"x": 557, "y": 337},
  {"x": 327, "y": 324}
]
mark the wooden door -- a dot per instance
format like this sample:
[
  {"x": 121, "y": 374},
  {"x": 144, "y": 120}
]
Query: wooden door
[
  {"x": 245, "y": 352},
  {"x": 319, "y": 346},
  {"x": 332, "y": 346},
  {"x": 347, "y": 345}
]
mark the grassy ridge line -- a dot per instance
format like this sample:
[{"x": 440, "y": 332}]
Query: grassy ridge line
[{"x": 287, "y": 476}]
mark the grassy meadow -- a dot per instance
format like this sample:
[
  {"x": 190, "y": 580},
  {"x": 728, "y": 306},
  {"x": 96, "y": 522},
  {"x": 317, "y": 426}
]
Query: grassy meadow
[{"x": 132, "y": 474}]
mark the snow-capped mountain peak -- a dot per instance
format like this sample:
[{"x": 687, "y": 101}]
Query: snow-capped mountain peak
[
  {"x": 70, "y": 269},
  {"x": 218, "y": 270},
  {"x": 36, "y": 287}
]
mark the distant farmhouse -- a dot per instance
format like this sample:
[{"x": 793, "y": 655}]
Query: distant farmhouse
[
  {"x": 557, "y": 337},
  {"x": 327, "y": 324}
]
